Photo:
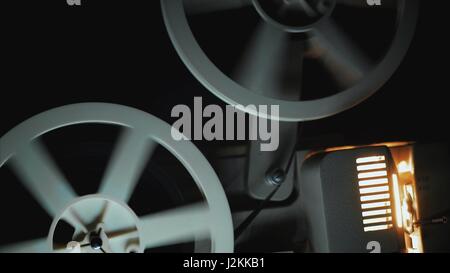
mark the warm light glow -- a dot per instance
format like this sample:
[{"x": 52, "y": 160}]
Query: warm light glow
[
  {"x": 413, "y": 250},
  {"x": 375, "y": 205},
  {"x": 370, "y": 167},
  {"x": 375, "y": 197},
  {"x": 409, "y": 189},
  {"x": 383, "y": 144},
  {"x": 405, "y": 196},
  {"x": 370, "y": 159},
  {"x": 411, "y": 165},
  {"x": 406, "y": 215},
  {"x": 376, "y": 212},
  {"x": 378, "y": 207},
  {"x": 416, "y": 240},
  {"x": 372, "y": 174},
  {"x": 376, "y": 228},
  {"x": 374, "y": 190},
  {"x": 373, "y": 182},
  {"x": 398, "y": 207},
  {"x": 404, "y": 167},
  {"x": 377, "y": 220}
]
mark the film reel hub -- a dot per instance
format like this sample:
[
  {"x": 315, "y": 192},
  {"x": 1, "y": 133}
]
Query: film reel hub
[
  {"x": 101, "y": 225},
  {"x": 294, "y": 15}
]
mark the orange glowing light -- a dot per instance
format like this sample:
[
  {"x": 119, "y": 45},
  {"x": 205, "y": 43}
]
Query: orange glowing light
[
  {"x": 404, "y": 167},
  {"x": 372, "y": 174},
  {"x": 376, "y": 212},
  {"x": 370, "y": 159},
  {"x": 376, "y": 228},
  {"x": 375, "y": 197},
  {"x": 373, "y": 182},
  {"x": 375, "y": 205},
  {"x": 397, "y": 198},
  {"x": 370, "y": 167}
]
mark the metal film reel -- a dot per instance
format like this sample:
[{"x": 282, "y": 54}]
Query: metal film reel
[
  {"x": 288, "y": 32},
  {"x": 104, "y": 221}
]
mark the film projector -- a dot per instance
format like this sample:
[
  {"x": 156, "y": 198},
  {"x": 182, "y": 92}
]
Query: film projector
[{"x": 102, "y": 177}]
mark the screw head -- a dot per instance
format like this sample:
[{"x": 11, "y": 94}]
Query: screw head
[
  {"x": 96, "y": 242},
  {"x": 276, "y": 177}
]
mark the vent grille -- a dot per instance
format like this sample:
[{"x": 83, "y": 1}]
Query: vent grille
[{"x": 375, "y": 193}]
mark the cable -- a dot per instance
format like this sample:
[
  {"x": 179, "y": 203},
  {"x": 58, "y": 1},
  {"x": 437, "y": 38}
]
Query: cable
[{"x": 246, "y": 223}]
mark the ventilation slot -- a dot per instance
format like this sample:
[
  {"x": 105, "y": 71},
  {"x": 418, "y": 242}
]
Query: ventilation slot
[{"x": 374, "y": 190}]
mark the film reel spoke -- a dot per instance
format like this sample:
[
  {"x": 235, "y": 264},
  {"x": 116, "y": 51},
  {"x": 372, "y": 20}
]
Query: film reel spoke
[
  {"x": 127, "y": 163},
  {"x": 85, "y": 218},
  {"x": 178, "y": 225},
  {"x": 103, "y": 212},
  {"x": 32, "y": 246},
  {"x": 339, "y": 54},
  {"x": 41, "y": 176},
  {"x": 194, "y": 7},
  {"x": 263, "y": 59},
  {"x": 272, "y": 63},
  {"x": 123, "y": 233},
  {"x": 292, "y": 75},
  {"x": 74, "y": 219}
]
